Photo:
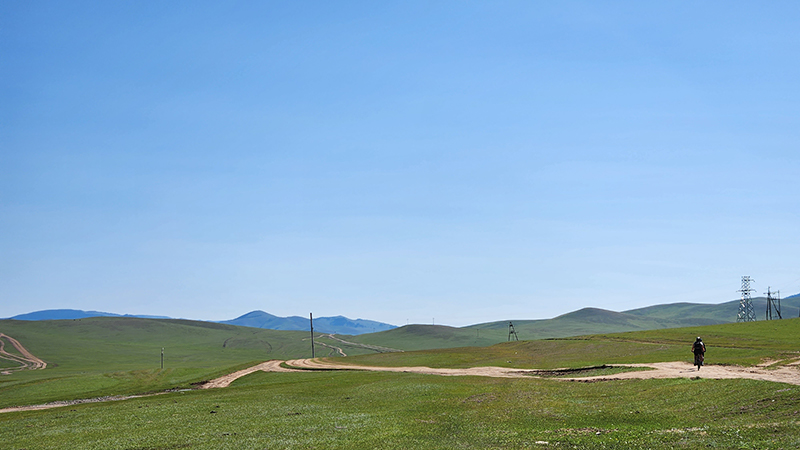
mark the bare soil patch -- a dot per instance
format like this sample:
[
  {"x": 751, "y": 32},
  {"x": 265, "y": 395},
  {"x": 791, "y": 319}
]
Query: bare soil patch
[{"x": 789, "y": 373}]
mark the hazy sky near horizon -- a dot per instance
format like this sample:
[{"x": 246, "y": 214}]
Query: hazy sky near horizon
[{"x": 456, "y": 162}]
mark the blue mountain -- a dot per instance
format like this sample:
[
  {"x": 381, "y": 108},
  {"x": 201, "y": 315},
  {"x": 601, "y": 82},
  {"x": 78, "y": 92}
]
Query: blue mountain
[
  {"x": 71, "y": 314},
  {"x": 336, "y": 325}
]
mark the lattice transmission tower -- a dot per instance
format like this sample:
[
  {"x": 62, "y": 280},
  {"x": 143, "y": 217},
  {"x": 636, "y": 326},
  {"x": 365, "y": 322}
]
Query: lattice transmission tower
[
  {"x": 773, "y": 302},
  {"x": 746, "y": 312}
]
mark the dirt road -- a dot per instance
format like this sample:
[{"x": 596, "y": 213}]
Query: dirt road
[
  {"x": 26, "y": 361},
  {"x": 269, "y": 366},
  {"x": 789, "y": 373},
  {"x": 497, "y": 372}
]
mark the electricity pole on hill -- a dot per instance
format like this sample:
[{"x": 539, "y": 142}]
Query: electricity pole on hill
[
  {"x": 512, "y": 332},
  {"x": 746, "y": 312},
  {"x": 311, "y": 323},
  {"x": 773, "y": 302}
]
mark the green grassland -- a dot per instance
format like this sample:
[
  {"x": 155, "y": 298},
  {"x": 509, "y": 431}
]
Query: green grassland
[
  {"x": 735, "y": 343},
  {"x": 347, "y": 409},
  {"x": 427, "y": 337},
  {"x": 119, "y": 356},
  {"x": 583, "y": 322},
  {"x": 596, "y": 321},
  {"x": 355, "y": 410}
]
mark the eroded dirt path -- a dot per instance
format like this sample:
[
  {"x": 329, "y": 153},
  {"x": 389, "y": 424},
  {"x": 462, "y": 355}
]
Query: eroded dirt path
[
  {"x": 26, "y": 360},
  {"x": 269, "y": 366},
  {"x": 497, "y": 372},
  {"x": 789, "y": 373}
]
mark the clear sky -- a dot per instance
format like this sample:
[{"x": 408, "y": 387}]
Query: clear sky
[{"x": 456, "y": 162}]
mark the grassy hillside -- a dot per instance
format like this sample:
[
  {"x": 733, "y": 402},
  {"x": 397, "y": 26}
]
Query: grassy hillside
[
  {"x": 583, "y": 322},
  {"x": 333, "y": 410},
  {"x": 578, "y": 323},
  {"x": 736, "y": 343},
  {"x": 354, "y": 410},
  {"x": 721, "y": 313},
  {"x": 780, "y": 336},
  {"x": 111, "y": 356},
  {"x": 426, "y": 337},
  {"x": 115, "y": 356}
]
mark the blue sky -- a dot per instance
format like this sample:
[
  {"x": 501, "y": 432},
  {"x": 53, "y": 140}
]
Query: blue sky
[{"x": 456, "y": 162}]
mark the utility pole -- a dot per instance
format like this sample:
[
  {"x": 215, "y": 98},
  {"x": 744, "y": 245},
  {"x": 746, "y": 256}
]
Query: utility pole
[
  {"x": 746, "y": 312},
  {"x": 311, "y": 321},
  {"x": 773, "y": 302},
  {"x": 512, "y": 332},
  {"x": 162, "y": 358}
]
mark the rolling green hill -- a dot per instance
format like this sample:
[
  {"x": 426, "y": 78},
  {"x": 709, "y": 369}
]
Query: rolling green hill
[
  {"x": 115, "y": 356},
  {"x": 585, "y": 321},
  {"x": 119, "y": 355},
  {"x": 582, "y": 322},
  {"x": 732, "y": 343},
  {"x": 720, "y": 313},
  {"x": 355, "y": 409}
]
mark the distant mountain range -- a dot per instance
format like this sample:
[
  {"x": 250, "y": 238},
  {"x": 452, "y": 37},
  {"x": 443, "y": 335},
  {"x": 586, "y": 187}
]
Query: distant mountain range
[
  {"x": 583, "y": 321},
  {"x": 337, "y": 324},
  {"x": 72, "y": 314},
  {"x": 254, "y": 319}
]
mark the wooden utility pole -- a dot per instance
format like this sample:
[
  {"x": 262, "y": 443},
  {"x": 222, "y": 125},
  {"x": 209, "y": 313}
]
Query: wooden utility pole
[{"x": 311, "y": 321}]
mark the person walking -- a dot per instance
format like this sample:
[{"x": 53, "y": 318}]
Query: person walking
[{"x": 699, "y": 350}]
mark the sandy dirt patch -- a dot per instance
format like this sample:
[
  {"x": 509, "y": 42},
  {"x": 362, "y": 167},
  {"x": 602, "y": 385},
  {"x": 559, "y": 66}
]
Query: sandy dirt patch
[
  {"x": 497, "y": 372},
  {"x": 789, "y": 373}
]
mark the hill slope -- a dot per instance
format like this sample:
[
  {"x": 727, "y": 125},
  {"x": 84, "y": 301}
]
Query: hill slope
[
  {"x": 119, "y": 355},
  {"x": 585, "y": 321},
  {"x": 719, "y": 313}
]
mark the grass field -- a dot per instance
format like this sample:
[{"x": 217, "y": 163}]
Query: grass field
[
  {"x": 119, "y": 356},
  {"x": 399, "y": 410},
  {"x": 743, "y": 343},
  {"x": 337, "y": 410}
]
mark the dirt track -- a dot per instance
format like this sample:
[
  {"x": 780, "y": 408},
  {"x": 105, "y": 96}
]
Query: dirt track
[
  {"x": 789, "y": 374},
  {"x": 269, "y": 366},
  {"x": 27, "y": 361}
]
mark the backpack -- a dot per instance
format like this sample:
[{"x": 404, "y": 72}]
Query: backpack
[{"x": 699, "y": 347}]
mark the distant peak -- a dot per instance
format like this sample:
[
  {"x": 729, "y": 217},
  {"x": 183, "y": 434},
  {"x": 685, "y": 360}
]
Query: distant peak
[{"x": 256, "y": 313}]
